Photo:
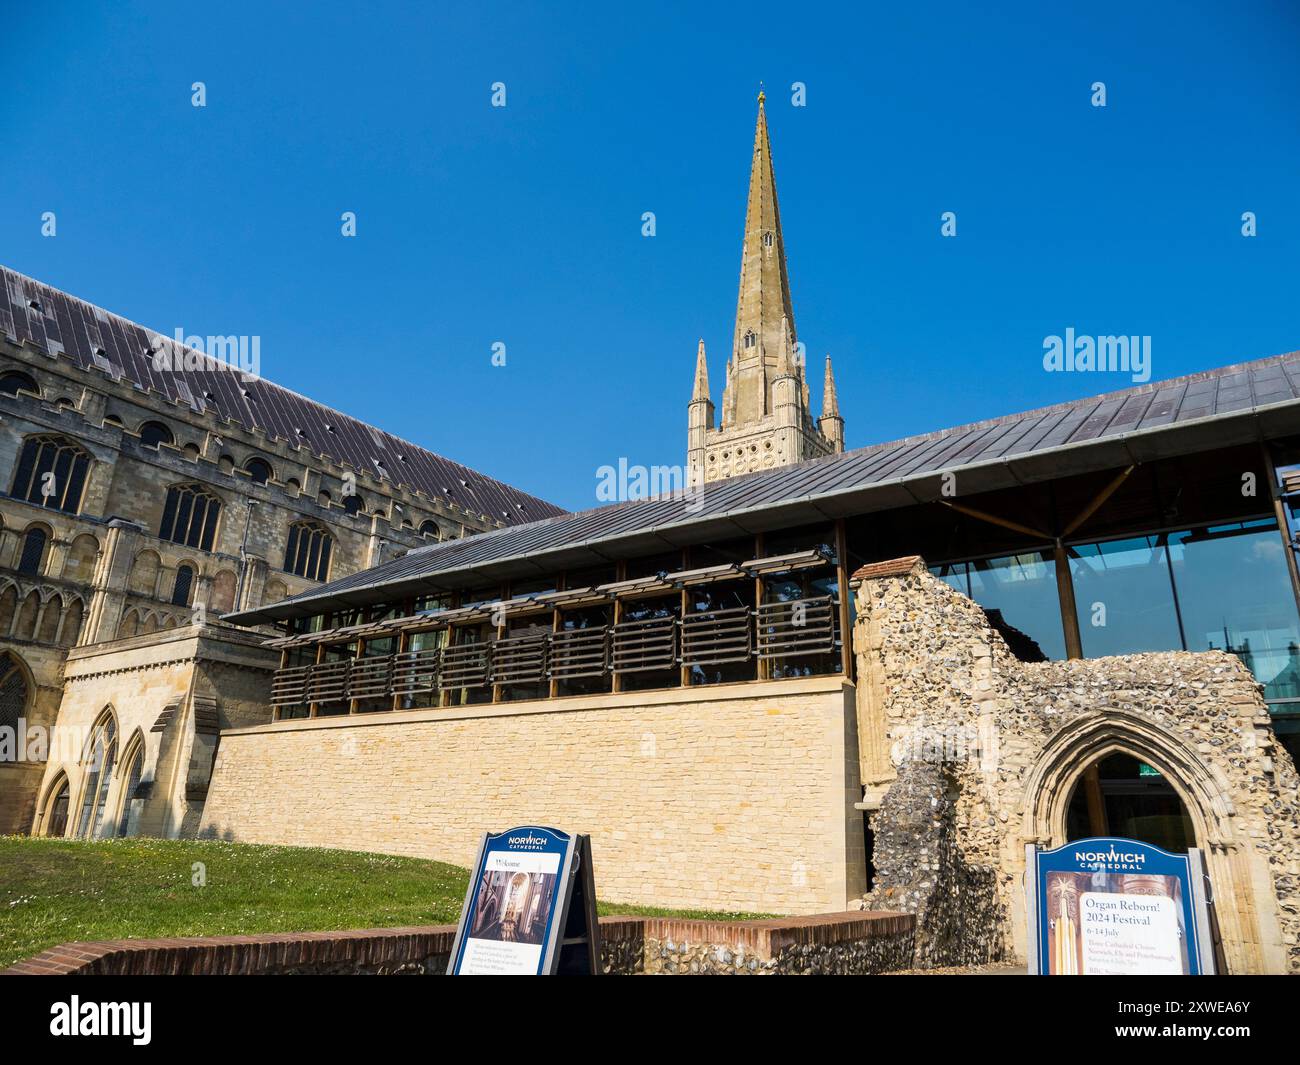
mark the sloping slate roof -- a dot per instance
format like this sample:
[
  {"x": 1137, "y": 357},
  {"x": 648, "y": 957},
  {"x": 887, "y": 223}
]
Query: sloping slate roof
[
  {"x": 59, "y": 324},
  {"x": 1231, "y": 405}
]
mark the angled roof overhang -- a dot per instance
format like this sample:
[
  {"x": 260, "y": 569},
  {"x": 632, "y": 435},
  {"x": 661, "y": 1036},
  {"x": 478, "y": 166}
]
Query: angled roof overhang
[{"x": 1221, "y": 408}]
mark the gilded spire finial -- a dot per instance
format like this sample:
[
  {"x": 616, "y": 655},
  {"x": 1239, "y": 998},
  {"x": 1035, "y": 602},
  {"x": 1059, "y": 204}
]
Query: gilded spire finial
[{"x": 761, "y": 94}]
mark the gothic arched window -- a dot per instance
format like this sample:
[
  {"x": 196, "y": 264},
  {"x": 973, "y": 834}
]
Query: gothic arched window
[
  {"x": 750, "y": 339},
  {"x": 101, "y": 752},
  {"x": 51, "y": 472},
  {"x": 307, "y": 553},
  {"x": 133, "y": 770},
  {"x": 13, "y": 692},
  {"x": 190, "y": 516}
]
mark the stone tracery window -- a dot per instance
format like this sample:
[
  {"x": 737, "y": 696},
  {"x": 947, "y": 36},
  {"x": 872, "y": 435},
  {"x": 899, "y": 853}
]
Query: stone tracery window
[
  {"x": 133, "y": 769},
  {"x": 190, "y": 516},
  {"x": 51, "y": 472},
  {"x": 101, "y": 752},
  {"x": 307, "y": 554}
]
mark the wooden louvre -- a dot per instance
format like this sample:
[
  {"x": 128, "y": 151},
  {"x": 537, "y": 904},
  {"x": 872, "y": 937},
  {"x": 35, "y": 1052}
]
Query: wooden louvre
[
  {"x": 464, "y": 666},
  {"x": 713, "y": 637},
  {"x": 579, "y": 653},
  {"x": 798, "y": 627},
  {"x": 416, "y": 672},
  {"x": 328, "y": 682},
  {"x": 371, "y": 677},
  {"x": 519, "y": 659},
  {"x": 289, "y": 686},
  {"x": 641, "y": 646}
]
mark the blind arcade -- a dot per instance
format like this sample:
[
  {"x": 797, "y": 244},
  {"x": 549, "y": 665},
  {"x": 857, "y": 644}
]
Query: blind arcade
[{"x": 530, "y": 909}]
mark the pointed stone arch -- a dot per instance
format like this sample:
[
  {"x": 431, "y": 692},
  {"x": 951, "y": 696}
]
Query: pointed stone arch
[
  {"x": 52, "y": 812},
  {"x": 1092, "y": 737},
  {"x": 73, "y": 616},
  {"x": 25, "y": 624},
  {"x": 126, "y": 806},
  {"x": 1252, "y": 936},
  {"x": 129, "y": 625},
  {"x": 97, "y": 766}
]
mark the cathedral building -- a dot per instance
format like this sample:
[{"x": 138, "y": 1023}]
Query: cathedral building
[
  {"x": 826, "y": 682},
  {"x": 150, "y": 489},
  {"x": 766, "y": 416}
]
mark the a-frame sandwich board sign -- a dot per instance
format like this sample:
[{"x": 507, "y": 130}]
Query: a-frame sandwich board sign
[{"x": 530, "y": 908}]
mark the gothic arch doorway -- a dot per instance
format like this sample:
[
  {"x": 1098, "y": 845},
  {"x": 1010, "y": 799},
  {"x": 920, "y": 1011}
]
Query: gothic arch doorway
[
  {"x": 1121, "y": 795},
  {"x": 1220, "y": 817}
]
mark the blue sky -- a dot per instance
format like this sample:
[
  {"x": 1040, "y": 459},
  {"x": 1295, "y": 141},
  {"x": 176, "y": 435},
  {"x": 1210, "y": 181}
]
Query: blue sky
[{"x": 522, "y": 225}]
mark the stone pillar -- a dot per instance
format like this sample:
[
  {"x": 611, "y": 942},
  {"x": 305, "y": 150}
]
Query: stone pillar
[
  {"x": 875, "y": 762},
  {"x": 108, "y": 585}
]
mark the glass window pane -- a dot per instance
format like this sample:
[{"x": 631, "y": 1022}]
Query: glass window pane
[
  {"x": 1124, "y": 597},
  {"x": 1235, "y": 595},
  {"x": 1023, "y": 589}
]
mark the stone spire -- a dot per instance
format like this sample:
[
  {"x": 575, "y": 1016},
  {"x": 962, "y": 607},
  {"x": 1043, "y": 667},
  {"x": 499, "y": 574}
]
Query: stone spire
[
  {"x": 701, "y": 376},
  {"x": 764, "y": 298},
  {"x": 830, "y": 401},
  {"x": 766, "y": 416},
  {"x": 830, "y": 423}
]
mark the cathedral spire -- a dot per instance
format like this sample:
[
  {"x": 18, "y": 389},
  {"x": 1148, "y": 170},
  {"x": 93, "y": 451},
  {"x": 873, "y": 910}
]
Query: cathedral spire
[
  {"x": 766, "y": 415},
  {"x": 761, "y": 338}
]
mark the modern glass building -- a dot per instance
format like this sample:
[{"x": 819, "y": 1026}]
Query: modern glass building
[{"x": 1154, "y": 519}]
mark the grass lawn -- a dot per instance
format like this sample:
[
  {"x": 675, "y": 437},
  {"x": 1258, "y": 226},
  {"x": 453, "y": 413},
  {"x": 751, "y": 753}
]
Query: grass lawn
[{"x": 57, "y": 891}]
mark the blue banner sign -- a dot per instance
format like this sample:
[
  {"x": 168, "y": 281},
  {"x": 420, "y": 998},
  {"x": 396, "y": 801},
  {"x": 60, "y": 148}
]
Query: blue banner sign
[
  {"x": 1117, "y": 906},
  {"x": 519, "y": 888}
]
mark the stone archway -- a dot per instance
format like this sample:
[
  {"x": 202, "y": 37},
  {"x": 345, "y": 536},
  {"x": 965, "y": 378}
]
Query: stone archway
[{"x": 1240, "y": 878}]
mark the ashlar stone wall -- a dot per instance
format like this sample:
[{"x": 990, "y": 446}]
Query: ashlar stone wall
[{"x": 738, "y": 798}]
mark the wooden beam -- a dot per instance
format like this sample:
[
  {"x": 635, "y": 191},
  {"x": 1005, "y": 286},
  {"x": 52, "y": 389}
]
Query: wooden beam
[
  {"x": 1098, "y": 500},
  {"x": 1283, "y": 526},
  {"x": 842, "y": 573},
  {"x": 993, "y": 519},
  {"x": 1069, "y": 610}
]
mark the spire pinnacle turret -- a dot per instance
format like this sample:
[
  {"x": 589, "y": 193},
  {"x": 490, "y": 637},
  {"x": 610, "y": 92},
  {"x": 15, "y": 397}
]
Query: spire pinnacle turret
[{"x": 701, "y": 391}]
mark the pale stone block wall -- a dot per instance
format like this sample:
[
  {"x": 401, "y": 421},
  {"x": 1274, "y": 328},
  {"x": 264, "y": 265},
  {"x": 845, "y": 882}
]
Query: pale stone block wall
[
  {"x": 152, "y": 685},
  {"x": 735, "y": 798}
]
